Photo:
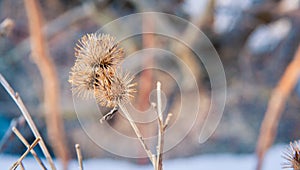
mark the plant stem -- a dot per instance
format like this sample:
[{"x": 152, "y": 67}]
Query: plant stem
[
  {"x": 24, "y": 141},
  {"x": 16, "y": 164},
  {"x": 138, "y": 133},
  {"x": 161, "y": 128},
  {"x": 79, "y": 156},
  {"x": 17, "y": 99}
]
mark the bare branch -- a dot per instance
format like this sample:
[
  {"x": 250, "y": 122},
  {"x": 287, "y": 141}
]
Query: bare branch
[
  {"x": 276, "y": 106},
  {"x": 167, "y": 120}
]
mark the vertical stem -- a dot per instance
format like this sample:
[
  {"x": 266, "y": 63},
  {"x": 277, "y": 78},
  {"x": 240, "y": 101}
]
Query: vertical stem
[
  {"x": 79, "y": 156},
  {"x": 275, "y": 107},
  {"x": 17, "y": 99},
  {"x": 160, "y": 141},
  {"x": 138, "y": 133}
]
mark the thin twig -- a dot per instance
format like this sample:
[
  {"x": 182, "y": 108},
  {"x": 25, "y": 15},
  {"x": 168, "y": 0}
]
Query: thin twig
[
  {"x": 17, "y": 99},
  {"x": 79, "y": 156},
  {"x": 24, "y": 141},
  {"x": 138, "y": 133},
  {"x": 276, "y": 106},
  {"x": 167, "y": 120},
  {"x": 160, "y": 142},
  {"x": 46, "y": 66},
  {"x": 16, "y": 164}
]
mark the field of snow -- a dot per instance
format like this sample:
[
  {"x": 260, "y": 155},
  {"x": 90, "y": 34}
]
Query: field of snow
[{"x": 206, "y": 162}]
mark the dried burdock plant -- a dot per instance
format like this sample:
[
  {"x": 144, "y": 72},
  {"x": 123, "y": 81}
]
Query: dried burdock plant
[
  {"x": 292, "y": 156},
  {"x": 97, "y": 57},
  {"x": 97, "y": 73},
  {"x": 116, "y": 89}
]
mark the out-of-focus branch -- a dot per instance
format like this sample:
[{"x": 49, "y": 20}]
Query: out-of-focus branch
[
  {"x": 47, "y": 68},
  {"x": 275, "y": 107}
]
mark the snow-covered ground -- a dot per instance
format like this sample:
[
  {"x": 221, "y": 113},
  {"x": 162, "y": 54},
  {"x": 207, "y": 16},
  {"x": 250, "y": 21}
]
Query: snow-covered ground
[{"x": 206, "y": 162}]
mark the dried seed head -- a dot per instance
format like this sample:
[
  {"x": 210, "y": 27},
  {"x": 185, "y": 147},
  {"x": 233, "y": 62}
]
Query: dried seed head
[
  {"x": 99, "y": 50},
  {"x": 82, "y": 80},
  {"x": 114, "y": 90},
  {"x": 96, "y": 72},
  {"x": 292, "y": 156},
  {"x": 97, "y": 54}
]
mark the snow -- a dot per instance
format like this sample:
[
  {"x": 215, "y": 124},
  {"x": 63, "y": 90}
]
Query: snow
[{"x": 228, "y": 161}]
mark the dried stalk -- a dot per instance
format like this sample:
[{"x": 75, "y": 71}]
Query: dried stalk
[
  {"x": 79, "y": 156},
  {"x": 160, "y": 142},
  {"x": 16, "y": 164},
  {"x": 17, "y": 99},
  {"x": 276, "y": 106},
  {"x": 22, "y": 166},
  {"x": 155, "y": 160},
  {"x": 138, "y": 134},
  {"x": 24, "y": 141},
  {"x": 46, "y": 66}
]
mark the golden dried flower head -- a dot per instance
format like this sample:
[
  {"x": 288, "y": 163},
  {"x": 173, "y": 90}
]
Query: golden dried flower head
[
  {"x": 96, "y": 71},
  {"x": 114, "y": 90},
  {"x": 82, "y": 79},
  {"x": 292, "y": 156},
  {"x": 98, "y": 50}
]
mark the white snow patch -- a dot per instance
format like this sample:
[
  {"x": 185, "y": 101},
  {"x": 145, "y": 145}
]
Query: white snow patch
[{"x": 273, "y": 161}]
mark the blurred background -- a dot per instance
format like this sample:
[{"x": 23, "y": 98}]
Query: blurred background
[{"x": 255, "y": 39}]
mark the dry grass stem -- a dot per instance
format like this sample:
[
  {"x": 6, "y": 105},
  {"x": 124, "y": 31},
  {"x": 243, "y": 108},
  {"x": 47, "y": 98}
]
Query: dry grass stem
[
  {"x": 17, "y": 99},
  {"x": 41, "y": 57},
  {"x": 276, "y": 106},
  {"x": 167, "y": 120},
  {"x": 138, "y": 134},
  {"x": 79, "y": 156},
  {"x": 24, "y": 141},
  {"x": 16, "y": 164},
  {"x": 160, "y": 142}
]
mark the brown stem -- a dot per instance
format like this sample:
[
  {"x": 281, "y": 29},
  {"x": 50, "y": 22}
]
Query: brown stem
[
  {"x": 276, "y": 106},
  {"x": 138, "y": 133},
  {"x": 47, "y": 69}
]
